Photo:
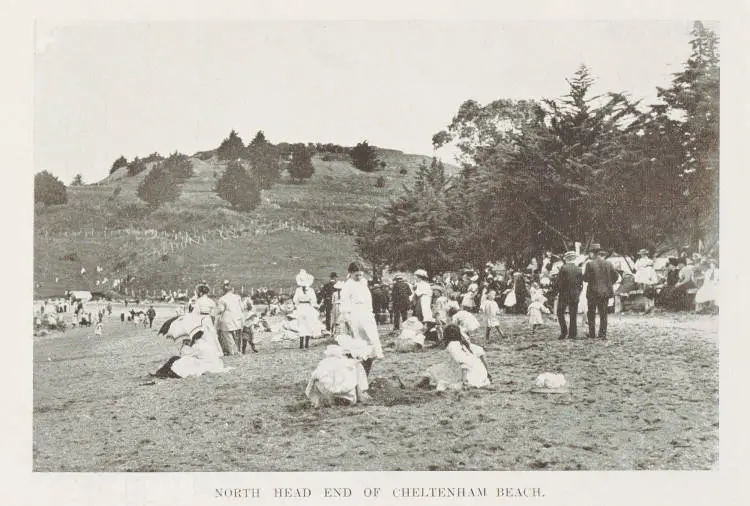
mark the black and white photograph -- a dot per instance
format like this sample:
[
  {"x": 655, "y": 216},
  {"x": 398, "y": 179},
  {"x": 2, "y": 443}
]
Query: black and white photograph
[
  {"x": 298, "y": 254},
  {"x": 269, "y": 246}
]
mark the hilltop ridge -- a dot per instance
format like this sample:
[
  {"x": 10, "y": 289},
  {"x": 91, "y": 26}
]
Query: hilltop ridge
[{"x": 309, "y": 224}]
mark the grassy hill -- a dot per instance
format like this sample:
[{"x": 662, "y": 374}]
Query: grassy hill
[{"x": 323, "y": 213}]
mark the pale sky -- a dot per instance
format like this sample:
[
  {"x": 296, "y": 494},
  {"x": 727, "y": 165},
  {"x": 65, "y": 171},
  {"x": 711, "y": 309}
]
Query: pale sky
[{"x": 106, "y": 89}]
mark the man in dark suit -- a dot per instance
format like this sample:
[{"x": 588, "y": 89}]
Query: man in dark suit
[
  {"x": 600, "y": 276},
  {"x": 401, "y": 299},
  {"x": 570, "y": 282},
  {"x": 327, "y": 293}
]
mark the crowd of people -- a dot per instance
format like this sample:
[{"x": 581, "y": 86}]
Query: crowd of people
[{"x": 445, "y": 311}]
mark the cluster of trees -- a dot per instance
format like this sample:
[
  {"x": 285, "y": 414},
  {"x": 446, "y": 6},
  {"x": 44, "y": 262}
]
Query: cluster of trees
[
  {"x": 365, "y": 157},
  {"x": 263, "y": 158},
  {"x": 49, "y": 190},
  {"x": 164, "y": 181},
  {"x": 543, "y": 174},
  {"x": 238, "y": 187}
]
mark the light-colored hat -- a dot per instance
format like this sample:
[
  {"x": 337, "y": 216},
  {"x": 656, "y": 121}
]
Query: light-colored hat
[
  {"x": 304, "y": 278},
  {"x": 421, "y": 273},
  {"x": 570, "y": 256},
  {"x": 643, "y": 251},
  {"x": 595, "y": 246},
  {"x": 474, "y": 278}
]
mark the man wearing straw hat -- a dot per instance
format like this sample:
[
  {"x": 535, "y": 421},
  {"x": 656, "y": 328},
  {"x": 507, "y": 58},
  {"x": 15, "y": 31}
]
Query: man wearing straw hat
[
  {"x": 570, "y": 283},
  {"x": 600, "y": 277}
]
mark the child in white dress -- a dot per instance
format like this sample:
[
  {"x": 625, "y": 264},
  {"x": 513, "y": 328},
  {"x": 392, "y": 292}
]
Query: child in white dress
[{"x": 536, "y": 307}]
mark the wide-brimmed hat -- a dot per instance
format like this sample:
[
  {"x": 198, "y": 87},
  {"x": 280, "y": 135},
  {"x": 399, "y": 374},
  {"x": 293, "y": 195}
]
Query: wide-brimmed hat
[
  {"x": 643, "y": 251},
  {"x": 304, "y": 278},
  {"x": 570, "y": 256},
  {"x": 594, "y": 247},
  {"x": 421, "y": 273}
]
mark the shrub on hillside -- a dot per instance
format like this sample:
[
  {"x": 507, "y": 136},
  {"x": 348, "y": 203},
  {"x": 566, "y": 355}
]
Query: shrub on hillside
[
  {"x": 49, "y": 190},
  {"x": 264, "y": 160},
  {"x": 238, "y": 187},
  {"x": 153, "y": 157},
  {"x": 231, "y": 148},
  {"x": 403, "y": 171},
  {"x": 364, "y": 157},
  {"x": 136, "y": 167},
  {"x": 380, "y": 183},
  {"x": 301, "y": 166},
  {"x": 120, "y": 162},
  {"x": 178, "y": 166},
  {"x": 159, "y": 187},
  {"x": 77, "y": 180},
  {"x": 70, "y": 257}
]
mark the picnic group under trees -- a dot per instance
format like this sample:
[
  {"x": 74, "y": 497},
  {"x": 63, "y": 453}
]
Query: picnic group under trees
[{"x": 446, "y": 311}]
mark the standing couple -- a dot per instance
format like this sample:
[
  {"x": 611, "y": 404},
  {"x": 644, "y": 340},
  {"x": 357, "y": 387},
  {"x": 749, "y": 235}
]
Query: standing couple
[{"x": 600, "y": 276}]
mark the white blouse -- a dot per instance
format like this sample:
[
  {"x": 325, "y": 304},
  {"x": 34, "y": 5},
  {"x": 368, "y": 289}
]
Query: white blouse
[{"x": 356, "y": 296}]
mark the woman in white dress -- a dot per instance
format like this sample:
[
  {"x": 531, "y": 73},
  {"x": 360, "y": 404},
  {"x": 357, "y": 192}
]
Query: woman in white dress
[
  {"x": 464, "y": 368},
  {"x": 423, "y": 293},
  {"x": 199, "y": 354},
  {"x": 206, "y": 308},
  {"x": 306, "y": 306},
  {"x": 356, "y": 311},
  {"x": 708, "y": 293}
]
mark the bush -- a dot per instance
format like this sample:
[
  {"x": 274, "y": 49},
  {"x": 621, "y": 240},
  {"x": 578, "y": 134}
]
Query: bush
[
  {"x": 231, "y": 148},
  {"x": 382, "y": 164},
  {"x": 238, "y": 188},
  {"x": 120, "y": 162},
  {"x": 153, "y": 157},
  {"x": 363, "y": 157},
  {"x": 380, "y": 183},
  {"x": 49, "y": 190},
  {"x": 403, "y": 171},
  {"x": 301, "y": 166},
  {"x": 159, "y": 187},
  {"x": 70, "y": 257},
  {"x": 136, "y": 167},
  {"x": 178, "y": 166}
]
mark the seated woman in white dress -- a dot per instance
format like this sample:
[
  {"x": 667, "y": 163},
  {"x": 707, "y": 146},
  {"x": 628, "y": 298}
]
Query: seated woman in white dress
[
  {"x": 337, "y": 376},
  {"x": 200, "y": 352},
  {"x": 463, "y": 368},
  {"x": 411, "y": 337}
]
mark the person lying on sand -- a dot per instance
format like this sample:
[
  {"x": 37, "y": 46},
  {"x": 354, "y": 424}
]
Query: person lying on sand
[{"x": 464, "y": 366}]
